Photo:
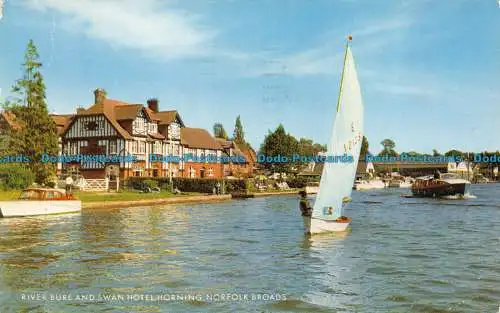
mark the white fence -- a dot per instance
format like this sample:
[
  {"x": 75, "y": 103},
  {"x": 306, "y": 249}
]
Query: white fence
[
  {"x": 97, "y": 184},
  {"x": 94, "y": 184}
]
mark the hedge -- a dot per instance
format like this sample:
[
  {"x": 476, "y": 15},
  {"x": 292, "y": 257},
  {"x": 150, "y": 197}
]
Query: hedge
[
  {"x": 300, "y": 181},
  {"x": 203, "y": 185}
]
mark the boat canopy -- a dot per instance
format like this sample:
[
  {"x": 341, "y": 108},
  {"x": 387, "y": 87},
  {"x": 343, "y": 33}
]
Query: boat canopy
[
  {"x": 449, "y": 176},
  {"x": 44, "y": 194}
]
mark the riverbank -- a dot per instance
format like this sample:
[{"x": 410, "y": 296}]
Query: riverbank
[
  {"x": 96, "y": 200},
  {"x": 275, "y": 193},
  {"x": 244, "y": 195},
  {"x": 173, "y": 199},
  {"x": 147, "y": 202},
  {"x": 128, "y": 195}
]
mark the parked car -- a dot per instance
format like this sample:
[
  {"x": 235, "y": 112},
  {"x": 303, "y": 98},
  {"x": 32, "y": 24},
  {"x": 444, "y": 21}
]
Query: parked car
[{"x": 142, "y": 187}]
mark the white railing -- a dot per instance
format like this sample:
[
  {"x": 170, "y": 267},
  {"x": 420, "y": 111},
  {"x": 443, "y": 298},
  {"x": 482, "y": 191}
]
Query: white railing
[
  {"x": 94, "y": 184},
  {"x": 97, "y": 184}
]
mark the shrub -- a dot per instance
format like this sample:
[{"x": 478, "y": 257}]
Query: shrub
[
  {"x": 240, "y": 185},
  {"x": 299, "y": 181},
  {"x": 203, "y": 185},
  {"x": 151, "y": 183},
  {"x": 13, "y": 176}
]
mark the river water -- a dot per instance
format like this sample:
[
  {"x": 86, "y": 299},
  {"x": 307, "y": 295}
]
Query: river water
[{"x": 401, "y": 255}]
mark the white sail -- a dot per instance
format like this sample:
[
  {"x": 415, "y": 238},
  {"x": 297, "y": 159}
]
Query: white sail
[{"x": 347, "y": 134}]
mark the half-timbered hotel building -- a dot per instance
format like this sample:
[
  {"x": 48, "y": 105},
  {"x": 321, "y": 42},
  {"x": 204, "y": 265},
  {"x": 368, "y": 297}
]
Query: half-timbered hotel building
[
  {"x": 116, "y": 128},
  {"x": 111, "y": 127}
]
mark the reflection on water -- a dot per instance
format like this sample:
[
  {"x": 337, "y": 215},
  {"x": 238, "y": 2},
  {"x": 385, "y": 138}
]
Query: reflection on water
[{"x": 402, "y": 255}]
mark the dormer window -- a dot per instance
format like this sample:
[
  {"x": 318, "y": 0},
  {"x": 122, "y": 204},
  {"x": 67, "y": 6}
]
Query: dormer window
[
  {"x": 139, "y": 124},
  {"x": 174, "y": 131}
]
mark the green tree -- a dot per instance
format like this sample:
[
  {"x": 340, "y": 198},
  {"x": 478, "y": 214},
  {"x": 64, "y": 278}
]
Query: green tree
[
  {"x": 364, "y": 148},
  {"x": 37, "y": 133},
  {"x": 413, "y": 154},
  {"x": 238, "y": 134},
  {"x": 435, "y": 153},
  {"x": 319, "y": 148},
  {"x": 219, "y": 131},
  {"x": 306, "y": 147},
  {"x": 455, "y": 153},
  {"x": 279, "y": 143},
  {"x": 389, "y": 146}
]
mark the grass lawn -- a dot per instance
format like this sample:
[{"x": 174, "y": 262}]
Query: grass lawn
[
  {"x": 106, "y": 196},
  {"x": 128, "y": 195}
]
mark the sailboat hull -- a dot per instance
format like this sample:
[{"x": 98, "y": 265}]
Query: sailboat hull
[{"x": 317, "y": 226}]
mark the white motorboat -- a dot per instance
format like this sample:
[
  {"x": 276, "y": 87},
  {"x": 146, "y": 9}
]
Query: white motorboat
[
  {"x": 400, "y": 182},
  {"x": 40, "y": 201},
  {"x": 369, "y": 184},
  {"x": 337, "y": 177},
  {"x": 312, "y": 188}
]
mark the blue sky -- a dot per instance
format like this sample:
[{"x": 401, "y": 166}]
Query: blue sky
[{"x": 429, "y": 70}]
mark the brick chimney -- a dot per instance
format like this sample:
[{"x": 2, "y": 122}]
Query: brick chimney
[
  {"x": 153, "y": 104},
  {"x": 99, "y": 95}
]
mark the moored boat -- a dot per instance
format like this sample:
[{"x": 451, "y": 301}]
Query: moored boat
[
  {"x": 40, "y": 201},
  {"x": 369, "y": 184},
  {"x": 400, "y": 182},
  {"x": 440, "y": 185},
  {"x": 312, "y": 188}
]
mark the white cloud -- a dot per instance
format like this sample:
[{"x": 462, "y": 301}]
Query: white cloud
[{"x": 148, "y": 26}]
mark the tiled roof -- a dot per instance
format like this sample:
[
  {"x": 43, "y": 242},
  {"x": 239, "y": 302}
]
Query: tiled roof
[
  {"x": 226, "y": 144},
  {"x": 248, "y": 151},
  {"x": 127, "y": 112},
  {"x": 198, "y": 138},
  {"x": 62, "y": 121},
  {"x": 167, "y": 117},
  {"x": 156, "y": 136},
  {"x": 107, "y": 107},
  {"x": 243, "y": 150}
]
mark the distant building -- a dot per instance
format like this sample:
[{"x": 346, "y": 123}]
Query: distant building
[{"x": 234, "y": 152}]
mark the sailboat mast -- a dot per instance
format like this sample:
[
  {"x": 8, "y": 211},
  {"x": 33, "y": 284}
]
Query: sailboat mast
[{"x": 349, "y": 38}]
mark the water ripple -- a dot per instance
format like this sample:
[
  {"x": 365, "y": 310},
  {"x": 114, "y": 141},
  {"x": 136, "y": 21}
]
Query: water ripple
[{"x": 418, "y": 255}]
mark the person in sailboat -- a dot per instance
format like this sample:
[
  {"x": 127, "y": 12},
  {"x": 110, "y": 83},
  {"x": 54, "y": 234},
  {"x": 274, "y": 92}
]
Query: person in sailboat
[
  {"x": 437, "y": 174},
  {"x": 305, "y": 206}
]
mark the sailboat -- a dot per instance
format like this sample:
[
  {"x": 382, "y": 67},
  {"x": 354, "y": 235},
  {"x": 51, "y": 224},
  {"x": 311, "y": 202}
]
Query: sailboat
[{"x": 337, "y": 177}]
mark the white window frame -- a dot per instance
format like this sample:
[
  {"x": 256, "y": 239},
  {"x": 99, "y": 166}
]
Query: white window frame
[
  {"x": 113, "y": 146},
  {"x": 157, "y": 147}
]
